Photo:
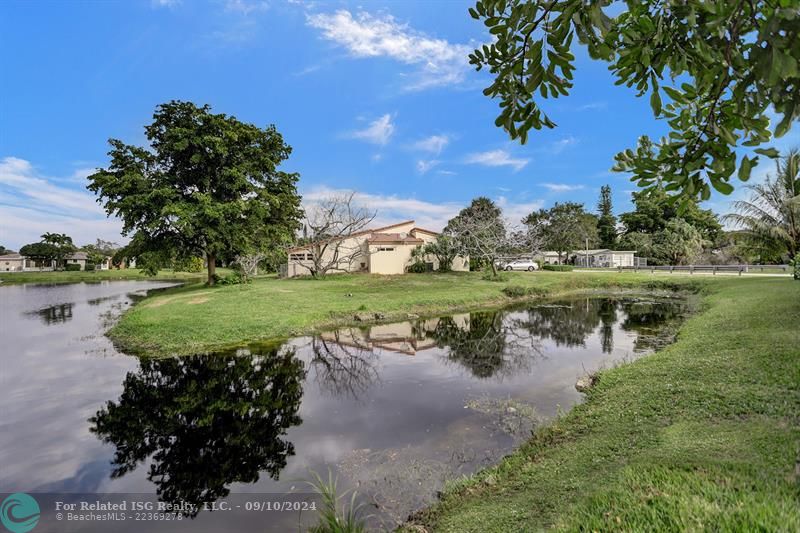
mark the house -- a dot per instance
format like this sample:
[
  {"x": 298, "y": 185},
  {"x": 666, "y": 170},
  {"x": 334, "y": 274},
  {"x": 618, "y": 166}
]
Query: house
[
  {"x": 12, "y": 263},
  {"x": 385, "y": 250},
  {"x": 603, "y": 257},
  {"x": 406, "y": 338},
  {"x": 77, "y": 258},
  {"x": 20, "y": 263}
]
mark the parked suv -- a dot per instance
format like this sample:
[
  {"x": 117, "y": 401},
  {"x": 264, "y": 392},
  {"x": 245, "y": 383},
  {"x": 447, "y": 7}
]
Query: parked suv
[{"x": 522, "y": 264}]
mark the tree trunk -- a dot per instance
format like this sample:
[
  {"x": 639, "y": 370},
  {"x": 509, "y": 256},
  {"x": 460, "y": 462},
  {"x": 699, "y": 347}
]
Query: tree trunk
[
  {"x": 494, "y": 269},
  {"x": 211, "y": 259}
]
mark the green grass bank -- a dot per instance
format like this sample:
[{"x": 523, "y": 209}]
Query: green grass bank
[
  {"x": 9, "y": 278},
  {"x": 701, "y": 436},
  {"x": 196, "y": 318}
]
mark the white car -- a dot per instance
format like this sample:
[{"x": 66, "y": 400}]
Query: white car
[{"x": 522, "y": 264}]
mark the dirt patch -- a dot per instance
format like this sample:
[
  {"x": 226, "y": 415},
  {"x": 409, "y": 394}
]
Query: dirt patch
[{"x": 195, "y": 301}]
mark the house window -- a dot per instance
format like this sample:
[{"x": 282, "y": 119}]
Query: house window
[{"x": 386, "y": 248}]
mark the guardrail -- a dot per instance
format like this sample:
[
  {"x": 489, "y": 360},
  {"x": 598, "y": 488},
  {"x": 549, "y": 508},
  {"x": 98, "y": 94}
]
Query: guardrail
[{"x": 691, "y": 269}]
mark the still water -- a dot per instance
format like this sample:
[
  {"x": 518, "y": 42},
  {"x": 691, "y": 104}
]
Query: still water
[{"x": 393, "y": 410}]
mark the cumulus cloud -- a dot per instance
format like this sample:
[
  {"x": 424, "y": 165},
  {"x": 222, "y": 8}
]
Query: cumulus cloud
[
  {"x": 497, "y": 158},
  {"x": 433, "y": 144},
  {"x": 32, "y": 204},
  {"x": 438, "y": 61},
  {"x": 378, "y": 132},
  {"x": 245, "y": 7},
  {"x": 561, "y": 187}
]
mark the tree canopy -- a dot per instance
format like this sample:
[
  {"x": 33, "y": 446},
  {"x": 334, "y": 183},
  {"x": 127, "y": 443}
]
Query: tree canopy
[
  {"x": 653, "y": 210},
  {"x": 713, "y": 70},
  {"x": 208, "y": 183},
  {"x": 53, "y": 247},
  {"x": 563, "y": 228}
]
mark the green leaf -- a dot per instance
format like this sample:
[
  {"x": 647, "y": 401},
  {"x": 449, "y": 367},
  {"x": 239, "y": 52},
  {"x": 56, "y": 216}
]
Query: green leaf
[
  {"x": 769, "y": 152},
  {"x": 745, "y": 168},
  {"x": 655, "y": 102},
  {"x": 721, "y": 186}
]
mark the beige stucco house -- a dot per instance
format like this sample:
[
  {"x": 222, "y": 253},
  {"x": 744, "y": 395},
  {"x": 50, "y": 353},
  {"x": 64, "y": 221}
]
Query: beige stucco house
[
  {"x": 20, "y": 263},
  {"x": 386, "y": 250}
]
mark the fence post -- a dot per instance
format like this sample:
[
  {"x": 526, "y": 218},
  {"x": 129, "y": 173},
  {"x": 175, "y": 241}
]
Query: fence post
[
  {"x": 741, "y": 268},
  {"x": 714, "y": 271},
  {"x": 671, "y": 269},
  {"x": 691, "y": 269}
]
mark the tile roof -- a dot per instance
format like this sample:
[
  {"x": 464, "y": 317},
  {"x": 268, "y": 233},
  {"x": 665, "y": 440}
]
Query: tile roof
[{"x": 393, "y": 238}]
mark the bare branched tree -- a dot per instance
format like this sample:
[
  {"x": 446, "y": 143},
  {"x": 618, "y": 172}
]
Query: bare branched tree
[
  {"x": 249, "y": 263},
  {"x": 328, "y": 226}
]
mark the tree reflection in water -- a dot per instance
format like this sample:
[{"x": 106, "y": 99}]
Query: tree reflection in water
[
  {"x": 204, "y": 421},
  {"x": 485, "y": 343},
  {"x": 342, "y": 365}
]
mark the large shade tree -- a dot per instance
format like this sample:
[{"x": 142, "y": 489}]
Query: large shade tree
[
  {"x": 208, "y": 184},
  {"x": 770, "y": 217},
  {"x": 713, "y": 70},
  {"x": 653, "y": 209},
  {"x": 563, "y": 228}
]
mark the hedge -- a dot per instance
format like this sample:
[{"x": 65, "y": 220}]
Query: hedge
[{"x": 558, "y": 268}]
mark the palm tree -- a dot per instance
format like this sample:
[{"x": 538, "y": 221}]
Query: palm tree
[{"x": 770, "y": 218}]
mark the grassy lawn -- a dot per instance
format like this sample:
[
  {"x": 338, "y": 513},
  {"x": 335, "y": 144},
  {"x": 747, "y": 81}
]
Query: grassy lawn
[
  {"x": 9, "y": 278},
  {"x": 701, "y": 436},
  {"x": 196, "y": 318}
]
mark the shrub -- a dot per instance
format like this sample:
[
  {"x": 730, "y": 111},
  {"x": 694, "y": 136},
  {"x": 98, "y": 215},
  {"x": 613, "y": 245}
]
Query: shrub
[
  {"x": 558, "y": 268},
  {"x": 72, "y": 267},
  {"x": 89, "y": 267},
  {"x": 417, "y": 267},
  {"x": 234, "y": 278},
  {"x": 795, "y": 263},
  {"x": 517, "y": 291}
]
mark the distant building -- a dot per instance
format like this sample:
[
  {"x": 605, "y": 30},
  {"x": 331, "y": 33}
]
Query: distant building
[
  {"x": 600, "y": 258},
  {"x": 385, "y": 250}
]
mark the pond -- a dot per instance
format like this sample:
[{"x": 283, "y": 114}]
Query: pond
[{"x": 393, "y": 410}]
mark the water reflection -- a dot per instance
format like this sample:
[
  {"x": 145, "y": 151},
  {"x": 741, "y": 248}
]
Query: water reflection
[
  {"x": 204, "y": 422},
  {"x": 398, "y": 409},
  {"x": 55, "y": 314},
  {"x": 343, "y": 365}
]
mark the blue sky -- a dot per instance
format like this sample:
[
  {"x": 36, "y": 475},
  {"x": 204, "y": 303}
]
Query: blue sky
[{"x": 375, "y": 97}]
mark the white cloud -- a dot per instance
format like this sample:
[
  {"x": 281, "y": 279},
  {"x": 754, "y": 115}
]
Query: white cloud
[
  {"x": 423, "y": 166},
  {"x": 244, "y": 7},
  {"x": 497, "y": 158},
  {"x": 165, "y": 3},
  {"x": 379, "y": 131},
  {"x": 561, "y": 187},
  {"x": 446, "y": 172},
  {"x": 560, "y": 145},
  {"x": 433, "y": 144},
  {"x": 593, "y": 106},
  {"x": 439, "y": 62},
  {"x": 429, "y": 215},
  {"x": 32, "y": 204},
  {"x": 514, "y": 212}
]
